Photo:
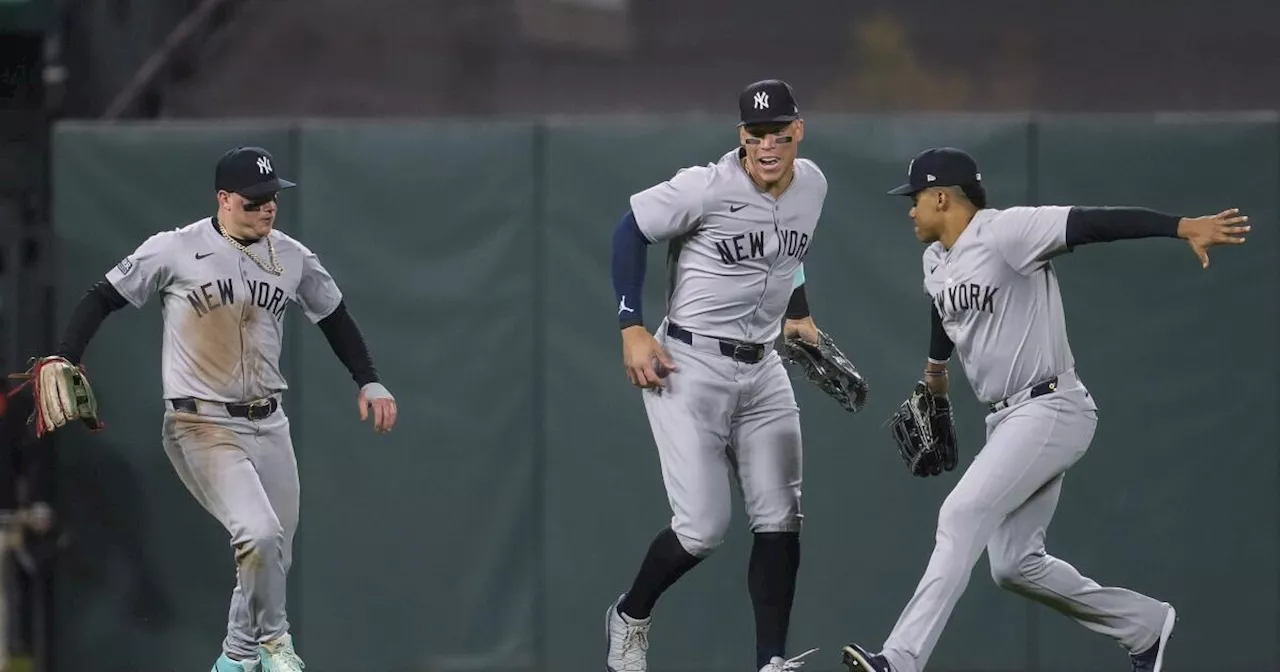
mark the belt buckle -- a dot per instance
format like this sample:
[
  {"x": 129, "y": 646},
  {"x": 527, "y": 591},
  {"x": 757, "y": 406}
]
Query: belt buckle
[
  {"x": 746, "y": 352},
  {"x": 263, "y": 405}
]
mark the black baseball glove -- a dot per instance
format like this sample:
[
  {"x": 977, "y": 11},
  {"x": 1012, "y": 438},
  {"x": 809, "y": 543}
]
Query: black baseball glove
[
  {"x": 925, "y": 431},
  {"x": 827, "y": 367}
]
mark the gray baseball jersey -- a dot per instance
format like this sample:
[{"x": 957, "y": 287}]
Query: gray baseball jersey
[
  {"x": 738, "y": 249},
  {"x": 998, "y": 297},
  {"x": 223, "y": 314}
]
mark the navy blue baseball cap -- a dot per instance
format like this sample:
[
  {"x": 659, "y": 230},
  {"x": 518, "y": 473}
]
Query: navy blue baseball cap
[
  {"x": 768, "y": 101},
  {"x": 250, "y": 172},
  {"x": 939, "y": 167}
]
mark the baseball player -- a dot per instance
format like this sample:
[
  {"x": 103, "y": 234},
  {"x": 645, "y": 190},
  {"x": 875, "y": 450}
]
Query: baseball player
[
  {"x": 995, "y": 301},
  {"x": 225, "y": 282},
  {"x": 716, "y": 393}
]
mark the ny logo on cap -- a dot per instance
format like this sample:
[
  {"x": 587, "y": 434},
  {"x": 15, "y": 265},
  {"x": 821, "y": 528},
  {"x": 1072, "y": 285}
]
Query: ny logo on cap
[
  {"x": 264, "y": 165},
  {"x": 762, "y": 100}
]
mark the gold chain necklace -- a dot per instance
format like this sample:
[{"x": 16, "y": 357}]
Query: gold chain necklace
[{"x": 274, "y": 269}]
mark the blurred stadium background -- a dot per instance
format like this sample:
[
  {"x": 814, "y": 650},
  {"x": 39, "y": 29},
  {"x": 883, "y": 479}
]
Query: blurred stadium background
[{"x": 462, "y": 164}]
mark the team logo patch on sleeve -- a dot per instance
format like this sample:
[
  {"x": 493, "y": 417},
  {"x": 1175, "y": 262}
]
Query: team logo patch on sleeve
[{"x": 125, "y": 265}]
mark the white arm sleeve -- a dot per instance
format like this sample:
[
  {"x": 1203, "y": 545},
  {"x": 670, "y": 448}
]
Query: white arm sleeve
[
  {"x": 1026, "y": 236},
  {"x": 146, "y": 271},
  {"x": 318, "y": 293},
  {"x": 671, "y": 208}
]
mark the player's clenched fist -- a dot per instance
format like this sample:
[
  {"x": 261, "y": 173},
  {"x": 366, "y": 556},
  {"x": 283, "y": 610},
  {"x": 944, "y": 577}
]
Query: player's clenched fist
[
  {"x": 645, "y": 361},
  {"x": 1201, "y": 233},
  {"x": 805, "y": 329}
]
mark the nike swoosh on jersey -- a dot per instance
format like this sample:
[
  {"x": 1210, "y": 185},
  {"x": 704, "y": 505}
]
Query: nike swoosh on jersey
[
  {"x": 202, "y": 256},
  {"x": 735, "y": 208}
]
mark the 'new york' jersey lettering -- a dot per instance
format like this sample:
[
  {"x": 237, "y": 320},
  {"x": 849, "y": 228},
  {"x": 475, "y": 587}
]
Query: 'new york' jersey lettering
[
  {"x": 998, "y": 297},
  {"x": 736, "y": 250},
  {"x": 223, "y": 315}
]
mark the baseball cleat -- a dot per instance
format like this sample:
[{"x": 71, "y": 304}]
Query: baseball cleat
[
  {"x": 777, "y": 664},
  {"x": 225, "y": 664},
  {"x": 1152, "y": 659},
  {"x": 278, "y": 656},
  {"x": 857, "y": 659},
  {"x": 628, "y": 641}
]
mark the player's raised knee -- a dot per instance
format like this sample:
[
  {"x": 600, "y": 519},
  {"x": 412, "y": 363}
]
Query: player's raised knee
[
  {"x": 1014, "y": 571},
  {"x": 701, "y": 539}
]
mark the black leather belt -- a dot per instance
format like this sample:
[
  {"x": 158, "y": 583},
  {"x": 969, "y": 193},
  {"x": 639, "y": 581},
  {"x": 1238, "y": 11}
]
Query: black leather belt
[
  {"x": 750, "y": 353},
  {"x": 254, "y": 410},
  {"x": 1039, "y": 390}
]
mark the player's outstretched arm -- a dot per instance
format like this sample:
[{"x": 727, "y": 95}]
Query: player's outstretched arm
[
  {"x": 643, "y": 359},
  {"x": 344, "y": 337},
  {"x": 1096, "y": 225}
]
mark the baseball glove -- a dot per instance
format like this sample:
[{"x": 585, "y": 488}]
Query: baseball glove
[
  {"x": 925, "y": 431},
  {"x": 827, "y": 367},
  {"x": 61, "y": 394}
]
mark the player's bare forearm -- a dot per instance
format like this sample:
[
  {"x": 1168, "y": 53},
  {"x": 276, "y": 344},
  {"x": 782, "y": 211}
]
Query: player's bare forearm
[{"x": 935, "y": 377}]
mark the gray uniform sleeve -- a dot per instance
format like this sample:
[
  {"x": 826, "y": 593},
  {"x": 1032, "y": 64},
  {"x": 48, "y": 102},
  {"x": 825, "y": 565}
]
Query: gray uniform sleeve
[
  {"x": 1027, "y": 236},
  {"x": 318, "y": 293},
  {"x": 146, "y": 271},
  {"x": 674, "y": 207}
]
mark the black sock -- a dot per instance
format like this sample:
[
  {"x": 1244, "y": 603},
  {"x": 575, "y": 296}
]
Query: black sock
[
  {"x": 771, "y": 580},
  {"x": 665, "y": 562}
]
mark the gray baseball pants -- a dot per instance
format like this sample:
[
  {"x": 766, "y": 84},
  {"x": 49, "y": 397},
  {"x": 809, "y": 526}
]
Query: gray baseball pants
[
  {"x": 245, "y": 474},
  {"x": 1004, "y": 503}
]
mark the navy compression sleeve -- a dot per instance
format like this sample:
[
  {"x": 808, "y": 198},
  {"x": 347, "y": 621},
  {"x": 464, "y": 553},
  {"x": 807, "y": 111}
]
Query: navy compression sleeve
[
  {"x": 940, "y": 345},
  {"x": 1102, "y": 225},
  {"x": 629, "y": 251}
]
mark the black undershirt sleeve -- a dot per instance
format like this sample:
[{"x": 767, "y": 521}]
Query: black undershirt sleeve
[
  {"x": 1101, "y": 225},
  {"x": 344, "y": 336},
  {"x": 100, "y": 301},
  {"x": 940, "y": 345},
  {"x": 798, "y": 307}
]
